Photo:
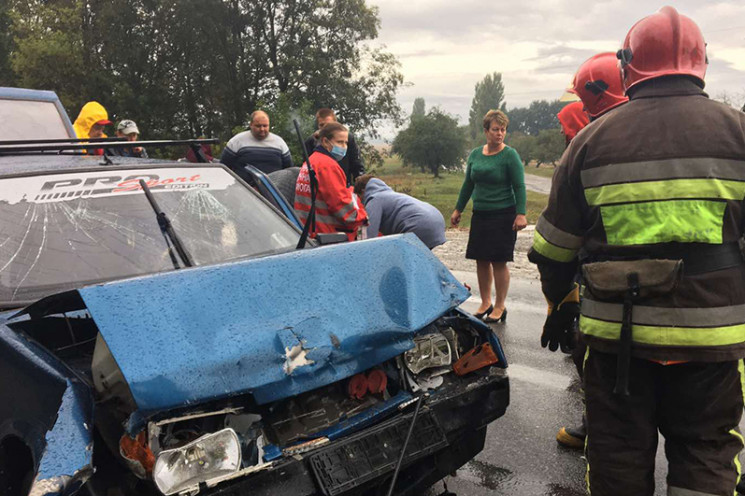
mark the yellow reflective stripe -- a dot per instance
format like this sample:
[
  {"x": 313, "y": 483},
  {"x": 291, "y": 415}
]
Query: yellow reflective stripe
[
  {"x": 666, "y": 316},
  {"x": 734, "y": 432},
  {"x": 666, "y": 336},
  {"x": 552, "y": 251},
  {"x": 684, "y": 221},
  {"x": 721, "y": 189}
]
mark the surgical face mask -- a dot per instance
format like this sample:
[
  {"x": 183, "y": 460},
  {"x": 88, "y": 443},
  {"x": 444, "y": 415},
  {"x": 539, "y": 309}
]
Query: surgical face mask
[{"x": 338, "y": 152}]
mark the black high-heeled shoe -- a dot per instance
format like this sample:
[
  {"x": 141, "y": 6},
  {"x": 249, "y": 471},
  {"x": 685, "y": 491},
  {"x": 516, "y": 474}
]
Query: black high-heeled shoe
[
  {"x": 483, "y": 314},
  {"x": 502, "y": 318}
]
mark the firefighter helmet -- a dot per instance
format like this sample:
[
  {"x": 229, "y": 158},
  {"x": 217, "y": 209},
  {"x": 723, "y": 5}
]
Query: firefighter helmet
[
  {"x": 598, "y": 84},
  {"x": 572, "y": 118},
  {"x": 663, "y": 44}
]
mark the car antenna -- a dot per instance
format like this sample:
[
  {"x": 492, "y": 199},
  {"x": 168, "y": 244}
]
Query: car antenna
[{"x": 311, "y": 220}]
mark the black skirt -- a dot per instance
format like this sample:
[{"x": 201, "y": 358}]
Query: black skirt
[{"x": 491, "y": 237}]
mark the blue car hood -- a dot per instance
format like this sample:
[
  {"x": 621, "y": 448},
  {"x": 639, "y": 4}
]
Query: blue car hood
[{"x": 274, "y": 326}]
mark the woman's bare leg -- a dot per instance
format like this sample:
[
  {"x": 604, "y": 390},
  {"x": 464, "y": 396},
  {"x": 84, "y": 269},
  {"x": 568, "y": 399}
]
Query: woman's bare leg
[
  {"x": 501, "y": 286},
  {"x": 484, "y": 274}
]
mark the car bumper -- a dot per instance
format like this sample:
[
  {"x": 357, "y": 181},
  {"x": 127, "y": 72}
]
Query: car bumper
[{"x": 462, "y": 414}]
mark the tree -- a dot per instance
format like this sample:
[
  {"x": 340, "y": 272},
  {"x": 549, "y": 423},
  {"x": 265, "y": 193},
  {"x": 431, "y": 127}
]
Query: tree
[
  {"x": 488, "y": 95},
  {"x": 431, "y": 142},
  {"x": 49, "y": 48},
  {"x": 550, "y": 144},
  {"x": 200, "y": 67},
  {"x": 539, "y": 115},
  {"x": 6, "y": 46},
  {"x": 524, "y": 144},
  {"x": 419, "y": 108},
  {"x": 545, "y": 148}
]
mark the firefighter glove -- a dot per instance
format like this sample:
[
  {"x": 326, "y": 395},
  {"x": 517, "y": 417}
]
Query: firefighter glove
[{"x": 560, "y": 328}]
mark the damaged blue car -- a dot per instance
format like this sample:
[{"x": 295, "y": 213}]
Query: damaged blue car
[{"x": 162, "y": 334}]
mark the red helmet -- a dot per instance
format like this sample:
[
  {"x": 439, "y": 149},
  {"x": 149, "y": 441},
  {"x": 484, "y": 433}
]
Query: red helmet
[
  {"x": 572, "y": 118},
  {"x": 663, "y": 44},
  {"x": 598, "y": 84}
]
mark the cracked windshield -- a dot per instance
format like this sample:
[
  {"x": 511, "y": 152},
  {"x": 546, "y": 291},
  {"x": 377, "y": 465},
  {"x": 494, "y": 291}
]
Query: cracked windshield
[{"x": 65, "y": 230}]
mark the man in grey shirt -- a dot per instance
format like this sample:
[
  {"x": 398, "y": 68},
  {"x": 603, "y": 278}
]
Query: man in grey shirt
[
  {"x": 258, "y": 147},
  {"x": 396, "y": 213}
]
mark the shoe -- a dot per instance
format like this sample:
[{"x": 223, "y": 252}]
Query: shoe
[
  {"x": 572, "y": 438},
  {"x": 483, "y": 314},
  {"x": 501, "y": 318}
]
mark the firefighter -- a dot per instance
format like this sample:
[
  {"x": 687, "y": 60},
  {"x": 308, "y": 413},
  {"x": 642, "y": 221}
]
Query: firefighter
[
  {"x": 653, "y": 193},
  {"x": 572, "y": 119},
  {"x": 598, "y": 85}
]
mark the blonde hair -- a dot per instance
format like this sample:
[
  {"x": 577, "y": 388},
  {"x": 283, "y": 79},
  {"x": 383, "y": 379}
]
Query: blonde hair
[{"x": 495, "y": 116}]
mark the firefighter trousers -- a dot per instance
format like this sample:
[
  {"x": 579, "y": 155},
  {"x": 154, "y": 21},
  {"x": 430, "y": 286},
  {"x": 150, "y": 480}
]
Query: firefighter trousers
[{"x": 696, "y": 406}]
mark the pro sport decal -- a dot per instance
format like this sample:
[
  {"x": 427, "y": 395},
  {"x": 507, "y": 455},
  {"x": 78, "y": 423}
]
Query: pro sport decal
[{"x": 71, "y": 186}]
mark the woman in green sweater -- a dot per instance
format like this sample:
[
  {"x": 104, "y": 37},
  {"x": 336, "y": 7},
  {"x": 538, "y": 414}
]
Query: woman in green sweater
[{"x": 495, "y": 180}]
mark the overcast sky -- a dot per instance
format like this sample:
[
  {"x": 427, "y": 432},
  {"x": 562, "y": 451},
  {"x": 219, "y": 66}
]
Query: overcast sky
[{"x": 446, "y": 46}]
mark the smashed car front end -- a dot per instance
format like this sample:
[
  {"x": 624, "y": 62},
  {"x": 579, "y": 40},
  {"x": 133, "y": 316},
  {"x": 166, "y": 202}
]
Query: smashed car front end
[{"x": 298, "y": 373}]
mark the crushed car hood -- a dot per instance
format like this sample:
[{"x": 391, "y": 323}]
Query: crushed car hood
[{"x": 274, "y": 326}]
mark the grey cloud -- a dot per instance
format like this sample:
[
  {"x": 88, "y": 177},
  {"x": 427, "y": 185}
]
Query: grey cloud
[{"x": 560, "y": 59}]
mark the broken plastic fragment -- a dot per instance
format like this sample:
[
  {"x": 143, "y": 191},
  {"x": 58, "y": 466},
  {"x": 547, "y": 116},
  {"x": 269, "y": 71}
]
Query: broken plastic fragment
[
  {"x": 476, "y": 358},
  {"x": 53, "y": 485},
  {"x": 296, "y": 357}
]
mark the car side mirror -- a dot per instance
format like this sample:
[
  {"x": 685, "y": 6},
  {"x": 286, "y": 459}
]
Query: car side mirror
[{"x": 331, "y": 238}]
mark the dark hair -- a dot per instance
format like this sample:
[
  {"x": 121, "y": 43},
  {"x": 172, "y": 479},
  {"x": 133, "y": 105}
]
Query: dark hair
[
  {"x": 361, "y": 183},
  {"x": 329, "y": 130},
  {"x": 324, "y": 112}
]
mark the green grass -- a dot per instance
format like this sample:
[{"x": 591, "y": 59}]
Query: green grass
[{"x": 442, "y": 192}]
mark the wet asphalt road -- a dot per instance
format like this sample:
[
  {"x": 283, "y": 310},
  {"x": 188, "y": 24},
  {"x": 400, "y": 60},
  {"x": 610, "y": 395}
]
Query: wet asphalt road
[{"x": 521, "y": 456}]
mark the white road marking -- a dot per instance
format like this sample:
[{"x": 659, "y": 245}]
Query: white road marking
[{"x": 538, "y": 377}]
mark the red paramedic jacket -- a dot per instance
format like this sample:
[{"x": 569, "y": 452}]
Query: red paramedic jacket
[{"x": 337, "y": 207}]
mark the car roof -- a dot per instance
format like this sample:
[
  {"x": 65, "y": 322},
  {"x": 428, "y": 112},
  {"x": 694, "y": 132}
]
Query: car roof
[
  {"x": 39, "y": 96},
  {"x": 13, "y": 165}
]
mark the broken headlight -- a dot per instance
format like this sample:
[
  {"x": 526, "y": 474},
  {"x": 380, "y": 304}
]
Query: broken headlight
[
  {"x": 430, "y": 350},
  {"x": 211, "y": 456}
]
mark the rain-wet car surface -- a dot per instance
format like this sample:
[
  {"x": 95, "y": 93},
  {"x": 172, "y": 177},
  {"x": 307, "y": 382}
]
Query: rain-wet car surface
[{"x": 232, "y": 364}]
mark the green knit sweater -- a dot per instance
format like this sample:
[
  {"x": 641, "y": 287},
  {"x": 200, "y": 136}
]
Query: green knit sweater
[{"x": 494, "y": 181}]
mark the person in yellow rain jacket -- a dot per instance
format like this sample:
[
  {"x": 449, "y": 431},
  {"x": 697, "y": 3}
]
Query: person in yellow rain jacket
[{"x": 91, "y": 123}]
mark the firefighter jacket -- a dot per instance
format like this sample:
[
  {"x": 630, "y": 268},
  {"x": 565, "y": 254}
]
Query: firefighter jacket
[
  {"x": 337, "y": 207},
  {"x": 660, "y": 177}
]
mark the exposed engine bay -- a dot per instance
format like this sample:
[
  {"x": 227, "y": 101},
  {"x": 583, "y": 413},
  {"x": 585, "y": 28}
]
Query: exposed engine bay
[{"x": 208, "y": 444}]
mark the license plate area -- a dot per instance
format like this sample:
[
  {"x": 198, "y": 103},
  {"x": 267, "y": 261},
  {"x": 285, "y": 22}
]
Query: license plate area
[{"x": 361, "y": 458}]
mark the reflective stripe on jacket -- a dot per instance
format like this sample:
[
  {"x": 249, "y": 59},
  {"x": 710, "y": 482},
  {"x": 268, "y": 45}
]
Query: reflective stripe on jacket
[
  {"x": 337, "y": 207},
  {"x": 664, "y": 171}
]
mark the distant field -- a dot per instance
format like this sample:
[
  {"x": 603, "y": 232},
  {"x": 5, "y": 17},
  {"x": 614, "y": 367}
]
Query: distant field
[{"x": 442, "y": 192}]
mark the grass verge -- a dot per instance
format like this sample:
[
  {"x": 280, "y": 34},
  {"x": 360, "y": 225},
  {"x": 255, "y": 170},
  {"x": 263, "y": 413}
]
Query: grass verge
[{"x": 443, "y": 192}]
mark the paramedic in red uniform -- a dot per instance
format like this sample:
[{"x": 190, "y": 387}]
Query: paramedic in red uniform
[{"x": 337, "y": 207}]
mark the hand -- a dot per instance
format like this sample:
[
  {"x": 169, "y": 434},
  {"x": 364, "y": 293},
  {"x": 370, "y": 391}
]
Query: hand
[
  {"x": 560, "y": 328},
  {"x": 520, "y": 222},
  {"x": 455, "y": 218}
]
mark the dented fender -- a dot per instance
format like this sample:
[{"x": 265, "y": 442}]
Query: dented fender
[{"x": 44, "y": 406}]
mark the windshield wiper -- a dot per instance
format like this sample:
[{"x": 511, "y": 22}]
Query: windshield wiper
[{"x": 166, "y": 227}]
